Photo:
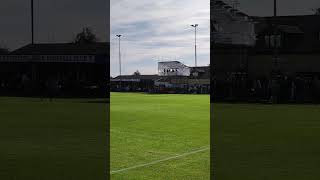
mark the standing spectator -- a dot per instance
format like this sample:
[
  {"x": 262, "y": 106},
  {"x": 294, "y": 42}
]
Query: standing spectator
[
  {"x": 300, "y": 86},
  {"x": 275, "y": 89},
  {"x": 52, "y": 88}
]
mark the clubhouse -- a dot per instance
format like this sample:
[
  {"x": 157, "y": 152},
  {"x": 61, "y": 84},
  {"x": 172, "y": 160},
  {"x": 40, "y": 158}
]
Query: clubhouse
[
  {"x": 64, "y": 69},
  {"x": 172, "y": 77}
]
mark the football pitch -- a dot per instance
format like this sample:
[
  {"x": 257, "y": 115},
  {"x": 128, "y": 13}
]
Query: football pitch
[
  {"x": 160, "y": 136},
  {"x": 266, "y": 142},
  {"x": 60, "y": 140},
  {"x": 157, "y": 137}
]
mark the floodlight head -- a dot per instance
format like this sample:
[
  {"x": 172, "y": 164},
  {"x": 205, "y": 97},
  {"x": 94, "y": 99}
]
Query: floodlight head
[
  {"x": 119, "y": 35},
  {"x": 194, "y": 25}
]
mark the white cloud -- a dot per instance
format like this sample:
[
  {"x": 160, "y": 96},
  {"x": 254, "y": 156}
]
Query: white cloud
[{"x": 156, "y": 30}]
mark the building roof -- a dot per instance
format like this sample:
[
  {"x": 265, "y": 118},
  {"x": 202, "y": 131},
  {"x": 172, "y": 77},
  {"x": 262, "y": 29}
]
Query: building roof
[
  {"x": 201, "y": 68},
  {"x": 172, "y": 78},
  {"x": 203, "y": 72},
  {"x": 164, "y": 62},
  {"x": 141, "y": 77},
  {"x": 183, "y": 80},
  {"x": 63, "y": 49},
  {"x": 241, "y": 14}
]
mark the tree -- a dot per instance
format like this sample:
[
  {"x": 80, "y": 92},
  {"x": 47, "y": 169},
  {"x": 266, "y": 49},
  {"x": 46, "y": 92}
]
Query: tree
[
  {"x": 85, "y": 37},
  {"x": 316, "y": 11},
  {"x": 137, "y": 73}
]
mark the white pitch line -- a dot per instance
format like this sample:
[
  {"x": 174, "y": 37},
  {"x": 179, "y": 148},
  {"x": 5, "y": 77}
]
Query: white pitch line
[{"x": 159, "y": 161}]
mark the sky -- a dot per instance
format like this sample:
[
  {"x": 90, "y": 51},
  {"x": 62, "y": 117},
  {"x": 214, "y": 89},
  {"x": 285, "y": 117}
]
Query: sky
[
  {"x": 55, "y": 20},
  {"x": 154, "y": 30}
]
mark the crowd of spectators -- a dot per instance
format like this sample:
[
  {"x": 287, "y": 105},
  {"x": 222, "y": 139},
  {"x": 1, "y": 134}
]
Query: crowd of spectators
[
  {"x": 278, "y": 89},
  {"x": 49, "y": 87},
  {"x": 163, "y": 89}
]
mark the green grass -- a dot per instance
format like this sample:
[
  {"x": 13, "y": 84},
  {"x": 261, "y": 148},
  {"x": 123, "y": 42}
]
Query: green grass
[
  {"x": 266, "y": 142},
  {"x": 147, "y": 128},
  {"x": 65, "y": 139},
  {"x": 60, "y": 140}
]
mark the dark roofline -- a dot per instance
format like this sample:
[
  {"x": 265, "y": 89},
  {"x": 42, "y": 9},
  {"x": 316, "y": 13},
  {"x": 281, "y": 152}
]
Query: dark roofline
[
  {"x": 61, "y": 43},
  {"x": 234, "y": 10},
  {"x": 141, "y": 75},
  {"x": 242, "y": 14},
  {"x": 137, "y": 76},
  {"x": 57, "y": 48},
  {"x": 201, "y": 67},
  {"x": 169, "y": 61},
  {"x": 287, "y": 16}
]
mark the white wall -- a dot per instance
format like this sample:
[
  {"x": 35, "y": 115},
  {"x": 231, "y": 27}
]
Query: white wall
[{"x": 173, "y": 68}]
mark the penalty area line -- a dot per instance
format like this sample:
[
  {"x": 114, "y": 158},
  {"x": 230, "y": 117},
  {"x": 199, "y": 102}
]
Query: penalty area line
[{"x": 159, "y": 161}]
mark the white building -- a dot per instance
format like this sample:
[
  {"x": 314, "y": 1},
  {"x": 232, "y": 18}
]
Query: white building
[{"x": 173, "y": 68}]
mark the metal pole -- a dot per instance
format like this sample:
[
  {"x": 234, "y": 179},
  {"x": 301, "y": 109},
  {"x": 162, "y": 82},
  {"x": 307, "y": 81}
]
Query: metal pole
[
  {"x": 275, "y": 36},
  {"x": 195, "y": 43},
  {"x": 119, "y": 36},
  {"x": 120, "y": 56},
  {"x": 32, "y": 23},
  {"x": 275, "y": 8}
]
